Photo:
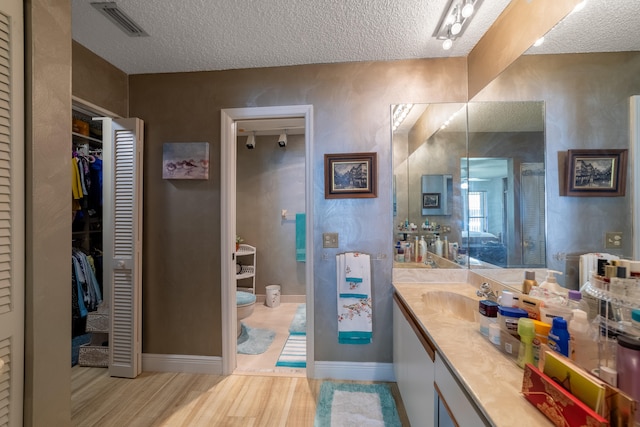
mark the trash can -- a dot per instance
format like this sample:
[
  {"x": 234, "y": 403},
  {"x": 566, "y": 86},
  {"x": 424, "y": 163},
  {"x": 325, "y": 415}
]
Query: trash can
[{"x": 273, "y": 296}]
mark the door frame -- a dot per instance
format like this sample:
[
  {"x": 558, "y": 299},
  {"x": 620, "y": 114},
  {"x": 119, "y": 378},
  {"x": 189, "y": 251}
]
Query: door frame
[{"x": 228, "y": 158}]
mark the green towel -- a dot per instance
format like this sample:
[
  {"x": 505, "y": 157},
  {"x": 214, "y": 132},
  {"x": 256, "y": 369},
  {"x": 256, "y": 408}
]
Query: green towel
[{"x": 301, "y": 237}]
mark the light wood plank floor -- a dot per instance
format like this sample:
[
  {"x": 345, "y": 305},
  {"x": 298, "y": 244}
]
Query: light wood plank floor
[{"x": 194, "y": 400}]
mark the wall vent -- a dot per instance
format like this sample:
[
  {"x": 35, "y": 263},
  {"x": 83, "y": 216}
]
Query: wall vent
[{"x": 120, "y": 19}]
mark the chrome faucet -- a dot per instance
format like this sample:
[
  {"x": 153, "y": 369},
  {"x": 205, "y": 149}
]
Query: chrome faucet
[{"x": 486, "y": 292}]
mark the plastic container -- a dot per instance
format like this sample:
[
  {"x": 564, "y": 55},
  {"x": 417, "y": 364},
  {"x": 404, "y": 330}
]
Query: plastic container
[
  {"x": 583, "y": 348},
  {"x": 438, "y": 245},
  {"x": 508, "y": 299},
  {"x": 551, "y": 283},
  {"x": 273, "y": 296},
  {"x": 508, "y": 319},
  {"x": 559, "y": 336},
  {"x": 527, "y": 332},
  {"x": 488, "y": 315},
  {"x": 408, "y": 253},
  {"x": 577, "y": 303},
  {"x": 399, "y": 252},
  {"x": 550, "y": 311},
  {"x": 628, "y": 367},
  {"x": 423, "y": 249},
  {"x": 529, "y": 281},
  {"x": 494, "y": 333}
]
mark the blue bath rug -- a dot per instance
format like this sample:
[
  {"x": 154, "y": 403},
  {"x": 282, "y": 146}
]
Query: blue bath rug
[
  {"x": 351, "y": 404},
  {"x": 254, "y": 340},
  {"x": 299, "y": 323}
]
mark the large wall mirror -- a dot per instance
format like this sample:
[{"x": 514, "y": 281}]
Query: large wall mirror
[
  {"x": 582, "y": 102},
  {"x": 490, "y": 158}
]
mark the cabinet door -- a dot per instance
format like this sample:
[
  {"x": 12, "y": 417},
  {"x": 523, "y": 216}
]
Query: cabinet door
[
  {"x": 11, "y": 213},
  {"x": 453, "y": 400},
  {"x": 414, "y": 371}
]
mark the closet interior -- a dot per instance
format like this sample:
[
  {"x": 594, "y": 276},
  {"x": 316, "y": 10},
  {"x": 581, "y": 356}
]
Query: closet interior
[{"x": 90, "y": 314}]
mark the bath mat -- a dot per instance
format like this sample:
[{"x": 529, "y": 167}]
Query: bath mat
[
  {"x": 351, "y": 404},
  {"x": 299, "y": 323},
  {"x": 254, "y": 340},
  {"x": 294, "y": 352}
]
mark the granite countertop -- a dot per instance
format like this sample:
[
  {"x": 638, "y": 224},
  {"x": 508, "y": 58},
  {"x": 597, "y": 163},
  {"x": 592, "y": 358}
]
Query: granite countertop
[{"x": 491, "y": 379}]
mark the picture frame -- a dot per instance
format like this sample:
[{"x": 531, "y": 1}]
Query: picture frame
[
  {"x": 185, "y": 160},
  {"x": 350, "y": 175},
  {"x": 430, "y": 200},
  {"x": 596, "y": 173}
]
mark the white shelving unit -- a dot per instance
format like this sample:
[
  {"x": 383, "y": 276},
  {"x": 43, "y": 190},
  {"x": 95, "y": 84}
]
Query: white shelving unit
[{"x": 246, "y": 257}]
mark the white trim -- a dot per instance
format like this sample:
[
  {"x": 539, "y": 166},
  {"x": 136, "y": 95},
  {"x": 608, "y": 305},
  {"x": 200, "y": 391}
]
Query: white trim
[
  {"x": 228, "y": 117},
  {"x": 181, "y": 363},
  {"x": 634, "y": 143},
  {"x": 357, "y": 371}
]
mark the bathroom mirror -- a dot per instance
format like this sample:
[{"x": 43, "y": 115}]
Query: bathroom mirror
[
  {"x": 492, "y": 155},
  {"x": 585, "y": 98}
]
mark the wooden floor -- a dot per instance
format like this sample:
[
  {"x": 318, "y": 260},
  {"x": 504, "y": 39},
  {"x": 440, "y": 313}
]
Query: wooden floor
[{"x": 193, "y": 400}]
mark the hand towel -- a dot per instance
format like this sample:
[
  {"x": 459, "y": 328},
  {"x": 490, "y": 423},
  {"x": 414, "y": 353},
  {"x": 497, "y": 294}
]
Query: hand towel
[
  {"x": 357, "y": 283},
  {"x": 354, "y": 308},
  {"x": 301, "y": 237}
]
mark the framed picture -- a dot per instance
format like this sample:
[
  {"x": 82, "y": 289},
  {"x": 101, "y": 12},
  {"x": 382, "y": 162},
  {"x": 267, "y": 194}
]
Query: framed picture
[
  {"x": 185, "y": 160},
  {"x": 430, "y": 200},
  {"x": 350, "y": 175},
  {"x": 596, "y": 173}
]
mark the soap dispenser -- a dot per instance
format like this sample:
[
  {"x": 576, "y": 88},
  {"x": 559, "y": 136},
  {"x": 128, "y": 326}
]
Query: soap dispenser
[{"x": 551, "y": 284}]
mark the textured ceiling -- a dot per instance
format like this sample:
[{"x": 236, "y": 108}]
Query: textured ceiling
[{"x": 197, "y": 35}]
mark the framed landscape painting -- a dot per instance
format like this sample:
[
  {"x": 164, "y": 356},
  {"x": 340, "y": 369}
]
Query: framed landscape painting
[
  {"x": 596, "y": 173},
  {"x": 351, "y": 175}
]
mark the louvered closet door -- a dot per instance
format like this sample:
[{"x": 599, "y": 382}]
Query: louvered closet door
[
  {"x": 123, "y": 246},
  {"x": 11, "y": 213}
]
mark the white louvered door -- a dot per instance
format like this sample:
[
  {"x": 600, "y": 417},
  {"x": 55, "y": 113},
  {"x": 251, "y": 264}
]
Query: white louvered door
[
  {"x": 11, "y": 213},
  {"x": 123, "y": 243}
]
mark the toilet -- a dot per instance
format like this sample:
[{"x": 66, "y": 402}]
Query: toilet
[{"x": 245, "y": 302}]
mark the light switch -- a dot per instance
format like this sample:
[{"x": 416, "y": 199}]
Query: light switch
[
  {"x": 329, "y": 240},
  {"x": 613, "y": 240}
]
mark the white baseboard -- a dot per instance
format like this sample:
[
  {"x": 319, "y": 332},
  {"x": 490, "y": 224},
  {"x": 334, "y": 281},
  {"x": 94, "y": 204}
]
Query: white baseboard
[
  {"x": 300, "y": 299},
  {"x": 368, "y": 371},
  {"x": 182, "y": 363}
]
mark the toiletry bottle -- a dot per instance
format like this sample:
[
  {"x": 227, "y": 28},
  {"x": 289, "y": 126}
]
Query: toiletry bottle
[
  {"x": 551, "y": 284},
  {"x": 628, "y": 367},
  {"x": 407, "y": 252},
  {"x": 529, "y": 282},
  {"x": 416, "y": 247},
  {"x": 559, "y": 336},
  {"x": 438, "y": 246},
  {"x": 527, "y": 333},
  {"x": 423, "y": 249},
  {"x": 583, "y": 348},
  {"x": 400, "y": 252},
  {"x": 445, "y": 247},
  {"x": 577, "y": 303}
]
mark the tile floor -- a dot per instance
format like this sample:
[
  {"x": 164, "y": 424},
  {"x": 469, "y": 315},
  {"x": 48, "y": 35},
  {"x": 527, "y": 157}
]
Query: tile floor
[{"x": 278, "y": 319}]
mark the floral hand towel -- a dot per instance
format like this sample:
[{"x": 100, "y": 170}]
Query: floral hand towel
[{"x": 353, "y": 274}]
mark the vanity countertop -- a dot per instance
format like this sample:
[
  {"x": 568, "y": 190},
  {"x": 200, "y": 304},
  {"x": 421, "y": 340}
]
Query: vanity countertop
[{"x": 490, "y": 378}]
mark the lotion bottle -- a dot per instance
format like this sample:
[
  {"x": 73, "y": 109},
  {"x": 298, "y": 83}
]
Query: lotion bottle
[
  {"x": 551, "y": 284},
  {"x": 423, "y": 249},
  {"x": 416, "y": 248},
  {"x": 438, "y": 246}
]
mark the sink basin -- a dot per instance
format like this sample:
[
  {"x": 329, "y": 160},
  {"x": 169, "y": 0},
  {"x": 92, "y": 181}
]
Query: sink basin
[{"x": 458, "y": 305}]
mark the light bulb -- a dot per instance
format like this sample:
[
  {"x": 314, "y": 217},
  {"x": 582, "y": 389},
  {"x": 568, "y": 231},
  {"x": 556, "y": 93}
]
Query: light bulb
[
  {"x": 456, "y": 28},
  {"x": 446, "y": 45},
  {"x": 467, "y": 10},
  {"x": 538, "y": 42}
]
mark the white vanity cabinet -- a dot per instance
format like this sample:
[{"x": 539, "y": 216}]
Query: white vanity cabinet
[{"x": 413, "y": 366}]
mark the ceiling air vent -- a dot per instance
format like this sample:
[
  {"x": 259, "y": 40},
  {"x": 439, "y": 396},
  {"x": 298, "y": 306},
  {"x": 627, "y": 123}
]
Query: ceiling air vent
[{"x": 118, "y": 17}]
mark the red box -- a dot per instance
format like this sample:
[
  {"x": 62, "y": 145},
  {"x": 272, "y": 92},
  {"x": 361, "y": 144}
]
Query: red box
[{"x": 556, "y": 403}]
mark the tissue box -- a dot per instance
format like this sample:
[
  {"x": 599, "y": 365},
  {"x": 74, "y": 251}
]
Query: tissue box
[{"x": 560, "y": 406}]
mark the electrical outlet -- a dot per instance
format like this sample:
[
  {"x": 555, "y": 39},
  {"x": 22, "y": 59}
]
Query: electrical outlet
[
  {"x": 329, "y": 240},
  {"x": 613, "y": 240}
]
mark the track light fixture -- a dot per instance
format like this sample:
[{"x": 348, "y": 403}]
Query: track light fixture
[
  {"x": 282, "y": 140},
  {"x": 455, "y": 18},
  {"x": 251, "y": 141}
]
